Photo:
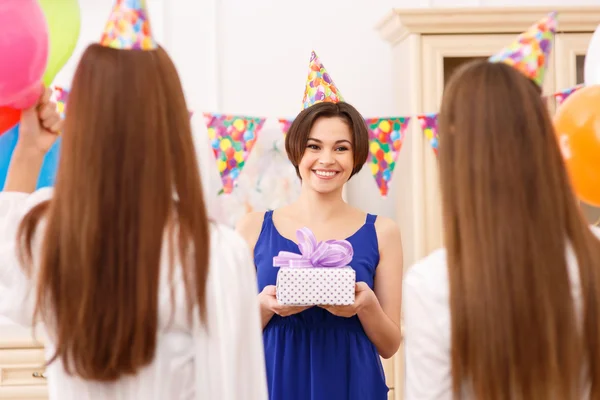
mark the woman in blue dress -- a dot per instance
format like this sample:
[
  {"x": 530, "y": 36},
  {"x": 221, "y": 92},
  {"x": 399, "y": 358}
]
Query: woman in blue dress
[{"x": 328, "y": 352}]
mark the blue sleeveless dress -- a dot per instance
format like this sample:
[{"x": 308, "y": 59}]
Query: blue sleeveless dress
[{"x": 315, "y": 355}]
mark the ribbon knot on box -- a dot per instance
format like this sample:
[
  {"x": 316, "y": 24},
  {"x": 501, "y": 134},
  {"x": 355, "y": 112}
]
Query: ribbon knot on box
[{"x": 328, "y": 254}]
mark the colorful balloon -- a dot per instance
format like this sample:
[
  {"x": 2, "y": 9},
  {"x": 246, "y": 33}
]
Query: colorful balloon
[
  {"x": 24, "y": 49},
  {"x": 8, "y": 141},
  {"x": 9, "y": 117},
  {"x": 64, "y": 24},
  {"x": 577, "y": 124}
]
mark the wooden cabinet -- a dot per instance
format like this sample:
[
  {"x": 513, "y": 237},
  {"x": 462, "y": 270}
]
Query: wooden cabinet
[
  {"x": 427, "y": 46},
  {"x": 21, "y": 365}
]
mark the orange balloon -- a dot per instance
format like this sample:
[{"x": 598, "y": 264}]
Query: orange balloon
[{"x": 577, "y": 124}]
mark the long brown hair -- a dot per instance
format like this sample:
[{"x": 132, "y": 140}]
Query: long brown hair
[
  {"x": 127, "y": 153},
  {"x": 509, "y": 217}
]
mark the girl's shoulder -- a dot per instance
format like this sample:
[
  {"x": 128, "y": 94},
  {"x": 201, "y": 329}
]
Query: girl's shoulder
[{"x": 249, "y": 227}]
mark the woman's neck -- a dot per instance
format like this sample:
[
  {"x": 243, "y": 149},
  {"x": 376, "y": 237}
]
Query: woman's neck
[{"x": 320, "y": 207}]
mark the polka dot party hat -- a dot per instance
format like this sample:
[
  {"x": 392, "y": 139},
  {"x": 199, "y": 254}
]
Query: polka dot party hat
[
  {"x": 128, "y": 27},
  {"x": 530, "y": 52},
  {"x": 319, "y": 85}
]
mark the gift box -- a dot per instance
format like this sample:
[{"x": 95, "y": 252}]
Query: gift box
[{"x": 319, "y": 275}]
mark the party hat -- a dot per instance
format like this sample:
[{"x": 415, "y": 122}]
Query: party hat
[
  {"x": 531, "y": 51},
  {"x": 319, "y": 85},
  {"x": 128, "y": 27}
]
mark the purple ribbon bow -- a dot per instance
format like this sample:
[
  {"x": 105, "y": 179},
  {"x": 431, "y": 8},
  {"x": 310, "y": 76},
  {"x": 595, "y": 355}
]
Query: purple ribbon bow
[{"x": 330, "y": 253}]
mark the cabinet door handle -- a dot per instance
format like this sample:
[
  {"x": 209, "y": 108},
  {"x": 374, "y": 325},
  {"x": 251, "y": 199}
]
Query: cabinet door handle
[{"x": 41, "y": 375}]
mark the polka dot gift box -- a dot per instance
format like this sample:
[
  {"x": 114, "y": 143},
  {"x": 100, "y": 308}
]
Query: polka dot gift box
[{"x": 319, "y": 275}]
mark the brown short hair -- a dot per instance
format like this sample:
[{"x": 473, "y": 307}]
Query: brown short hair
[
  {"x": 297, "y": 136},
  {"x": 126, "y": 149}
]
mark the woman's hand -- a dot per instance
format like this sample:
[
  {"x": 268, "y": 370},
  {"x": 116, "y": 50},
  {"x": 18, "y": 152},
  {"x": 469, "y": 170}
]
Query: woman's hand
[
  {"x": 270, "y": 306},
  {"x": 38, "y": 131},
  {"x": 39, "y": 126},
  {"x": 363, "y": 298}
]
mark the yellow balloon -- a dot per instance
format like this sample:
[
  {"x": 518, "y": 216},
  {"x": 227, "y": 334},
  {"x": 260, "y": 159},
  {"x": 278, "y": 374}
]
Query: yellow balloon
[
  {"x": 239, "y": 125},
  {"x": 374, "y": 147},
  {"x": 374, "y": 168},
  {"x": 385, "y": 126},
  {"x": 239, "y": 156},
  {"x": 225, "y": 144},
  {"x": 64, "y": 24},
  {"x": 388, "y": 157},
  {"x": 222, "y": 165},
  {"x": 212, "y": 133}
]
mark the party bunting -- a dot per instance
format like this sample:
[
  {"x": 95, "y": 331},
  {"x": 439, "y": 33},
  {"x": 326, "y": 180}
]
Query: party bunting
[
  {"x": 61, "y": 96},
  {"x": 232, "y": 138},
  {"x": 565, "y": 93},
  {"x": 385, "y": 141},
  {"x": 429, "y": 125},
  {"x": 285, "y": 124},
  {"x": 269, "y": 181}
]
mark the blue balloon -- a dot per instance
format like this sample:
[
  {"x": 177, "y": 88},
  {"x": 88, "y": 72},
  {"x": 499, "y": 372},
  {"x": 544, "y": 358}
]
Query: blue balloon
[
  {"x": 50, "y": 166},
  {"x": 8, "y": 141}
]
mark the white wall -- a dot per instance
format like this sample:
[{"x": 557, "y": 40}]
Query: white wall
[{"x": 251, "y": 57}]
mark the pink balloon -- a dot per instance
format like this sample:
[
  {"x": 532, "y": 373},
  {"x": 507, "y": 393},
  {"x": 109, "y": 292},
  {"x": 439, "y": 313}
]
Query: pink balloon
[{"x": 23, "y": 52}]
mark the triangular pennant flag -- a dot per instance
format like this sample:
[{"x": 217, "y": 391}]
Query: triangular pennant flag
[
  {"x": 530, "y": 52},
  {"x": 385, "y": 141},
  {"x": 128, "y": 27},
  {"x": 60, "y": 96},
  {"x": 285, "y": 124},
  {"x": 319, "y": 85},
  {"x": 232, "y": 138},
  {"x": 429, "y": 125},
  {"x": 565, "y": 93}
]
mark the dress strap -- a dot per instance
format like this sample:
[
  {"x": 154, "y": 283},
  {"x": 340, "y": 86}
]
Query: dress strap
[
  {"x": 265, "y": 229},
  {"x": 267, "y": 220},
  {"x": 371, "y": 219}
]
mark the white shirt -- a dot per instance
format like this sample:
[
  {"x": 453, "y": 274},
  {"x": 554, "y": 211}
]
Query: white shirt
[
  {"x": 222, "y": 361},
  {"x": 425, "y": 302}
]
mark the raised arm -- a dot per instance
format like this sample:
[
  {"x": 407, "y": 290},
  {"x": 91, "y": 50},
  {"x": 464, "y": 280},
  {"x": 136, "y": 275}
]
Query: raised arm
[{"x": 38, "y": 131}]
